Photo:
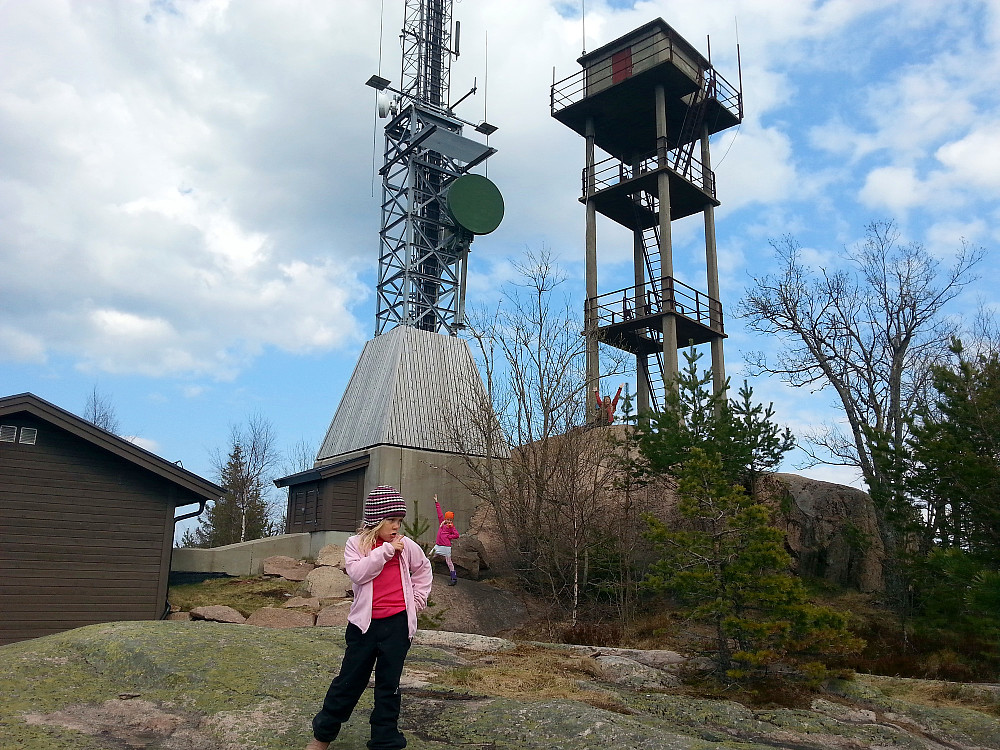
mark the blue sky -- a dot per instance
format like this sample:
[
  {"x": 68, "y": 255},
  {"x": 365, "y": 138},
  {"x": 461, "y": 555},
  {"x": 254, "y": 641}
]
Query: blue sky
[{"x": 186, "y": 187}]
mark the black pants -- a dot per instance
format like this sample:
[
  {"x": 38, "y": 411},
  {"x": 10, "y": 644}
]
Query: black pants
[{"x": 383, "y": 648}]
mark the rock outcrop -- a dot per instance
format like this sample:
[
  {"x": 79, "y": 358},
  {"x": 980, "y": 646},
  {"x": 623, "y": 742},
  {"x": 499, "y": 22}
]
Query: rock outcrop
[
  {"x": 469, "y": 556},
  {"x": 273, "y": 617},
  {"x": 328, "y": 583},
  {"x": 218, "y": 613},
  {"x": 213, "y": 686},
  {"x": 830, "y": 530},
  {"x": 287, "y": 567},
  {"x": 471, "y": 606}
]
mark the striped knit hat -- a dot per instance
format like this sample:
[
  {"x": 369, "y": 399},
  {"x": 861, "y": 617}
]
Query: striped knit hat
[{"x": 383, "y": 502}]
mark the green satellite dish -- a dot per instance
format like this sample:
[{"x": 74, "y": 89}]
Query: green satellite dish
[{"x": 475, "y": 204}]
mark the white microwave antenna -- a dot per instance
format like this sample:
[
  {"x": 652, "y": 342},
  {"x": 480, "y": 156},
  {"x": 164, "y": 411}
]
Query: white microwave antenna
[{"x": 432, "y": 206}]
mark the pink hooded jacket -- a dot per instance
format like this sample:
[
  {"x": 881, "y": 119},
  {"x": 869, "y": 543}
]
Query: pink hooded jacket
[
  {"x": 446, "y": 534},
  {"x": 414, "y": 569}
]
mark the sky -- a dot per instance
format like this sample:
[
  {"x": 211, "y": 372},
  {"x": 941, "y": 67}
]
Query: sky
[{"x": 189, "y": 214}]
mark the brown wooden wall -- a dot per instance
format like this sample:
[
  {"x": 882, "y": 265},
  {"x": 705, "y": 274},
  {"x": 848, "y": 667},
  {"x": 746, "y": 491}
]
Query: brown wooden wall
[
  {"x": 343, "y": 501},
  {"x": 302, "y": 515},
  {"x": 85, "y": 536},
  {"x": 333, "y": 504}
]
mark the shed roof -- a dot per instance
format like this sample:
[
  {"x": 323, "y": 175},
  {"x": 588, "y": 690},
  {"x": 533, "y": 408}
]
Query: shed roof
[
  {"x": 414, "y": 389},
  {"x": 323, "y": 472},
  {"x": 652, "y": 27},
  {"x": 187, "y": 481}
]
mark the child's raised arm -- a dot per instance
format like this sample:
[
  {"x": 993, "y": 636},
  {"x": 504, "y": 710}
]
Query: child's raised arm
[{"x": 437, "y": 505}]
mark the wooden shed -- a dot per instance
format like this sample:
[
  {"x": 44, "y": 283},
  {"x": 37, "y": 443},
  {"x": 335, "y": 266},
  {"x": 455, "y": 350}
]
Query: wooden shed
[
  {"x": 86, "y": 522},
  {"x": 327, "y": 498}
]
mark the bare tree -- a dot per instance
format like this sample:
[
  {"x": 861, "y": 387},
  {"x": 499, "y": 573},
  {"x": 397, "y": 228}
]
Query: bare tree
[
  {"x": 100, "y": 410},
  {"x": 871, "y": 333},
  {"x": 300, "y": 457},
  {"x": 549, "y": 499}
]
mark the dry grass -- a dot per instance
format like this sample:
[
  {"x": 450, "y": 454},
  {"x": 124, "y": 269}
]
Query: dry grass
[
  {"x": 935, "y": 694},
  {"x": 538, "y": 672},
  {"x": 246, "y": 595}
]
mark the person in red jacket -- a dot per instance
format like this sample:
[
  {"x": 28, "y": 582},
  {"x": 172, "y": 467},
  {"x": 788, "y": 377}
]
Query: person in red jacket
[{"x": 447, "y": 533}]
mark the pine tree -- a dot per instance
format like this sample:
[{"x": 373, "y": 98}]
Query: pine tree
[
  {"x": 953, "y": 475},
  {"x": 729, "y": 568},
  {"x": 726, "y": 563},
  {"x": 743, "y": 434},
  {"x": 239, "y": 515},
  {"x": 950, "y": 471}
]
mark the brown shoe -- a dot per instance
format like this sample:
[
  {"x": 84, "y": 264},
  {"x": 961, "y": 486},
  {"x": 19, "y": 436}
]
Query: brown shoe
[{"x": 315, "y": 744}]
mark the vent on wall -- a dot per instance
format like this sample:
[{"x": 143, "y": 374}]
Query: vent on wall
[
  {"x": 8, "y": 433},
  {"x": 28, "y": 435}
]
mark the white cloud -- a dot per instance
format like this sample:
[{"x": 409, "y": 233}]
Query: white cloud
[
  {"x": 19, "y": 346},
  {"x": 149, "y": 228},
  {"x": 895, "y": 188},
  {"x": 835, "y": 474},
  {"x": 944, "y": 237},
  {"x": 149, "y": 444},
  {"x": 975, "y": 159},
  {"x": 759, "y": 168}
]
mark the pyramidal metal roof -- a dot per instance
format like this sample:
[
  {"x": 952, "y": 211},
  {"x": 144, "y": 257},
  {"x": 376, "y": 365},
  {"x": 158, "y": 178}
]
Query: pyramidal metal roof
[{"x": 414, "y": 389}]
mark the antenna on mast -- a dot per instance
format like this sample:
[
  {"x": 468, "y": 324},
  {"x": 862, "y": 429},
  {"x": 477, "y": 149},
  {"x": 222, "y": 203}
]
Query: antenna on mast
[{"x": 432, "y": 207}]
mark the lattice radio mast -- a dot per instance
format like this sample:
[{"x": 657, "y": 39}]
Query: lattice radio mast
[{"x": 432, "y": 207}]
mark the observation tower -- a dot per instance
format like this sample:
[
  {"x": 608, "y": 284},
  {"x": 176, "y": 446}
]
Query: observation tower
[{"x": 650, "y": 102}]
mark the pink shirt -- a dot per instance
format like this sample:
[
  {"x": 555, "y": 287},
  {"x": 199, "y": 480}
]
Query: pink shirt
[
  {"x": 387, "y": 588},
  {"x": 414, "y": 572}
]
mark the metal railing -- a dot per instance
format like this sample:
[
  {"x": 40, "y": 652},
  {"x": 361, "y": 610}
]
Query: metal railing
[
  {"x": 646, "y": 301},
  {"x": 574, "y": 88},
  {"x": 611, "y": 171}
]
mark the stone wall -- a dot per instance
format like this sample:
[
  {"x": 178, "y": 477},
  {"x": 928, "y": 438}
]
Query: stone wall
[{"x": 247, "y": 558}]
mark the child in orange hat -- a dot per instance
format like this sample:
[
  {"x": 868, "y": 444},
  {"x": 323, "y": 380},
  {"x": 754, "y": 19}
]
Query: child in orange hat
[{"x": 447, "y": 533}]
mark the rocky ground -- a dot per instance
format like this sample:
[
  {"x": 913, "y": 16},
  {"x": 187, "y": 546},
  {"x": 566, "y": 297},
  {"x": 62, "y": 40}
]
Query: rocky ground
[
  {"x": 323, "y": 599},
  {"x": 213, "y": 686}
]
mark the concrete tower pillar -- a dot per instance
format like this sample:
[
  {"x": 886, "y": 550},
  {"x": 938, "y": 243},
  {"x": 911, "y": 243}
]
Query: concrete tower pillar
[
  {"x": 639, "y": 300},
  {"x": 590, "y": 309},
  {"x": 712, "y": 268},
  {"x": 666, "y": 249}
]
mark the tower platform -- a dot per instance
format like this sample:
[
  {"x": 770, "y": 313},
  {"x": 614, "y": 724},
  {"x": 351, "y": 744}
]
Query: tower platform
[{"x": 614, "y": 84}]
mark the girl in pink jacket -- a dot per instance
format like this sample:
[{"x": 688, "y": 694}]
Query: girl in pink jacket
[
  {"x": 447, "y": 533},
  {"x": 391, "y": 578}
]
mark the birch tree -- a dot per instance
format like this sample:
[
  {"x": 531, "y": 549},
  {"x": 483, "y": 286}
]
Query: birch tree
[
  {"x": 245, "y": 471},
  {"x": 550, "y": 498}
]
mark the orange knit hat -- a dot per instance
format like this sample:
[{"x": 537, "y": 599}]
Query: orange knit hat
[{"x": 449, "y": 516}]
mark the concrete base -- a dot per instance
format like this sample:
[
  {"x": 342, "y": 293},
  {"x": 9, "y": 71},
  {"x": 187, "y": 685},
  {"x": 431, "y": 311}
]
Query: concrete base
[{"x": 247, "y": 558}]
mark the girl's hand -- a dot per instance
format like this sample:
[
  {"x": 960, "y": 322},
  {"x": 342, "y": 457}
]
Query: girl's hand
[{"x": 397, "y": 542}]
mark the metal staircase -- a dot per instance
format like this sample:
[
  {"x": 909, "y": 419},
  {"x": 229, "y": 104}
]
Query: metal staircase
[{"x": 691, "y": 127}]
